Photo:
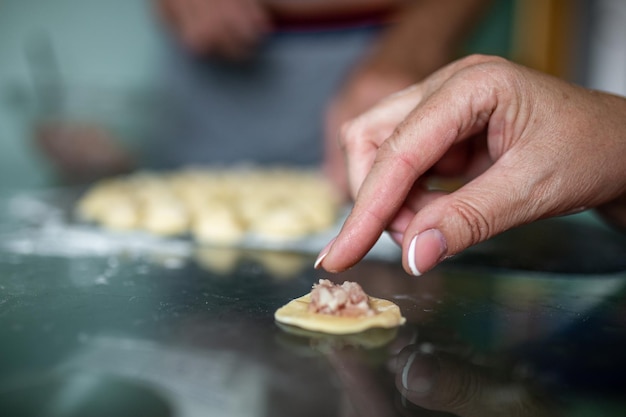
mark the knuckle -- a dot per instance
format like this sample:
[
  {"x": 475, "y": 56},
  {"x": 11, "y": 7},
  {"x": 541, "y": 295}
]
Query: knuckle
[
  {"x": 394, "y": 152},
  {"x": 375, "y": 218},
  {"x": 478, "y": 68},
  {"x": 459, "y": 395},
  {"x": 352, "y": 133},
  {"x": 472, "y": 220},
  {"x": 477, "y": 63},
  {"x": 347, "y": 133},
  {"x": 399, "y": 152},
  {"x": 481, "y": 59},
  {"x": 475, "y": 59}
]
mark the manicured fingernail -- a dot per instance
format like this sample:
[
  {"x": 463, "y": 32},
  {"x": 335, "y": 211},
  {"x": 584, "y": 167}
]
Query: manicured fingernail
[
  {"x": 323, "y": 254},
  {"x": 425, "y": 251},
  {"x": 419, "y": 372}
]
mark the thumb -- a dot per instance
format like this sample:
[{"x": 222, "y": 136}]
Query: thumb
[
  {"x": 502, "y": 198},
  {"x": 437, "y": 381}
]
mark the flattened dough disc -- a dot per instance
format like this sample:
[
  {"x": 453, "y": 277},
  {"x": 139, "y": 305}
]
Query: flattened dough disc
[{"x": 296, "y": 313}]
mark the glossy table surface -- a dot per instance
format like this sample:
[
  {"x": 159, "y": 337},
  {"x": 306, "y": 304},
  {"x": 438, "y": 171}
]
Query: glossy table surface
[{"x": 532, "y": 323}]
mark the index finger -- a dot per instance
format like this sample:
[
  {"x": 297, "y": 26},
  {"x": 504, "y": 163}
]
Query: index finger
[
  {"x": 455, "y": 111},
  {"x": 361, "y": 138}
]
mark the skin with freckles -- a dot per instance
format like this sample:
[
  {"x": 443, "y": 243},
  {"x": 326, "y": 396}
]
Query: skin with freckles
[{"x": 528, "y": 145}]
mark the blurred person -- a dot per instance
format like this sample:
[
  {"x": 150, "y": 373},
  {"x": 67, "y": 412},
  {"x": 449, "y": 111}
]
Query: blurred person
[
  {"x": 528, "y": 146},
  {"x": 83, "y": 152},
  {"x": 291, "y": 72},
  {"x": 270, "y": 81}
]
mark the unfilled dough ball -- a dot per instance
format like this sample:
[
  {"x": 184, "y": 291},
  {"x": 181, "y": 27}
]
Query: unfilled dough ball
[
  {"x": 282, "y": 222},
  {"x": 218, "y": 225},
  {"x": 164, "y": 217},
  {"x": 121, "y": 213},
  {"x": 218, "y": 206},
  {"x": 96, "y": 200},
  {"x": 222, "y": 261},
  {"x": 320, "y": 214}
]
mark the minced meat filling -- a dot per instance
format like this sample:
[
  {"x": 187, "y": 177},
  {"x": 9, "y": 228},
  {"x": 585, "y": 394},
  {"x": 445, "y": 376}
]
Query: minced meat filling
[{"x": 346, "y": 300}]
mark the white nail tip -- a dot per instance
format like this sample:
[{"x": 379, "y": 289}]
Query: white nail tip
[
  {"x": 411, "y": 258},
  {"x": 319, "y": 260},
  {"x": 406, "y": 369}
]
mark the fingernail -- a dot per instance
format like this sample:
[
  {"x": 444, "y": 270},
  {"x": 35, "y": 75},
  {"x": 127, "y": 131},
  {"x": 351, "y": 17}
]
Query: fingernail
[
  {"x": 419, "y": 372},
  {"x": 425, "y": 251},
  {"x": 323, "y": 254}
]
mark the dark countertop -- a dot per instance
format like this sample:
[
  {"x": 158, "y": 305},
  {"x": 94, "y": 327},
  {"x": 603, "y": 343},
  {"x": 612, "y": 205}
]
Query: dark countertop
[{"x": 532, "y": 323}]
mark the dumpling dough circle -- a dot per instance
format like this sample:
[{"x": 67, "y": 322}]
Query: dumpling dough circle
[{"x": 296, "y": 313}]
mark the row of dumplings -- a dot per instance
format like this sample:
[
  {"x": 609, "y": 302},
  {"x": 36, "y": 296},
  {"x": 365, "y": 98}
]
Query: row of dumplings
[{"x": 220, "y": 206}]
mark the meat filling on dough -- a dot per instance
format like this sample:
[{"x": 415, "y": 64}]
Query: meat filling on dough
[{"x": 345, "y": 300}]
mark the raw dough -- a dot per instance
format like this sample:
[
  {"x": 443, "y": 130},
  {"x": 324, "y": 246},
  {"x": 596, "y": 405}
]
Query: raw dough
[
  {"x": 369, "y": 339},
  {"x": 296, "y": 313},
  {"x": 217, "y": 224},
  {"x": 215, "y": 206}
]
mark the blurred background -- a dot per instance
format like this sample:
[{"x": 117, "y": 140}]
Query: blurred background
[
  {"x": 68, "y": 47},
  {"x": 102, "y": 60}
]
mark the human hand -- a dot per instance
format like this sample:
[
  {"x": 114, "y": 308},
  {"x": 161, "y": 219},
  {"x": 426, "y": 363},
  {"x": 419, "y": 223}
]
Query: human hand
[
  {"x": 388, "y": 67},
  {"x": 446, "y": 382},
  {"x": 225, "y": 28},
  {"x": 82, "y": 152},
  {"x": 550, "y": 148},
  {"x": 366, "y": 87}
]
